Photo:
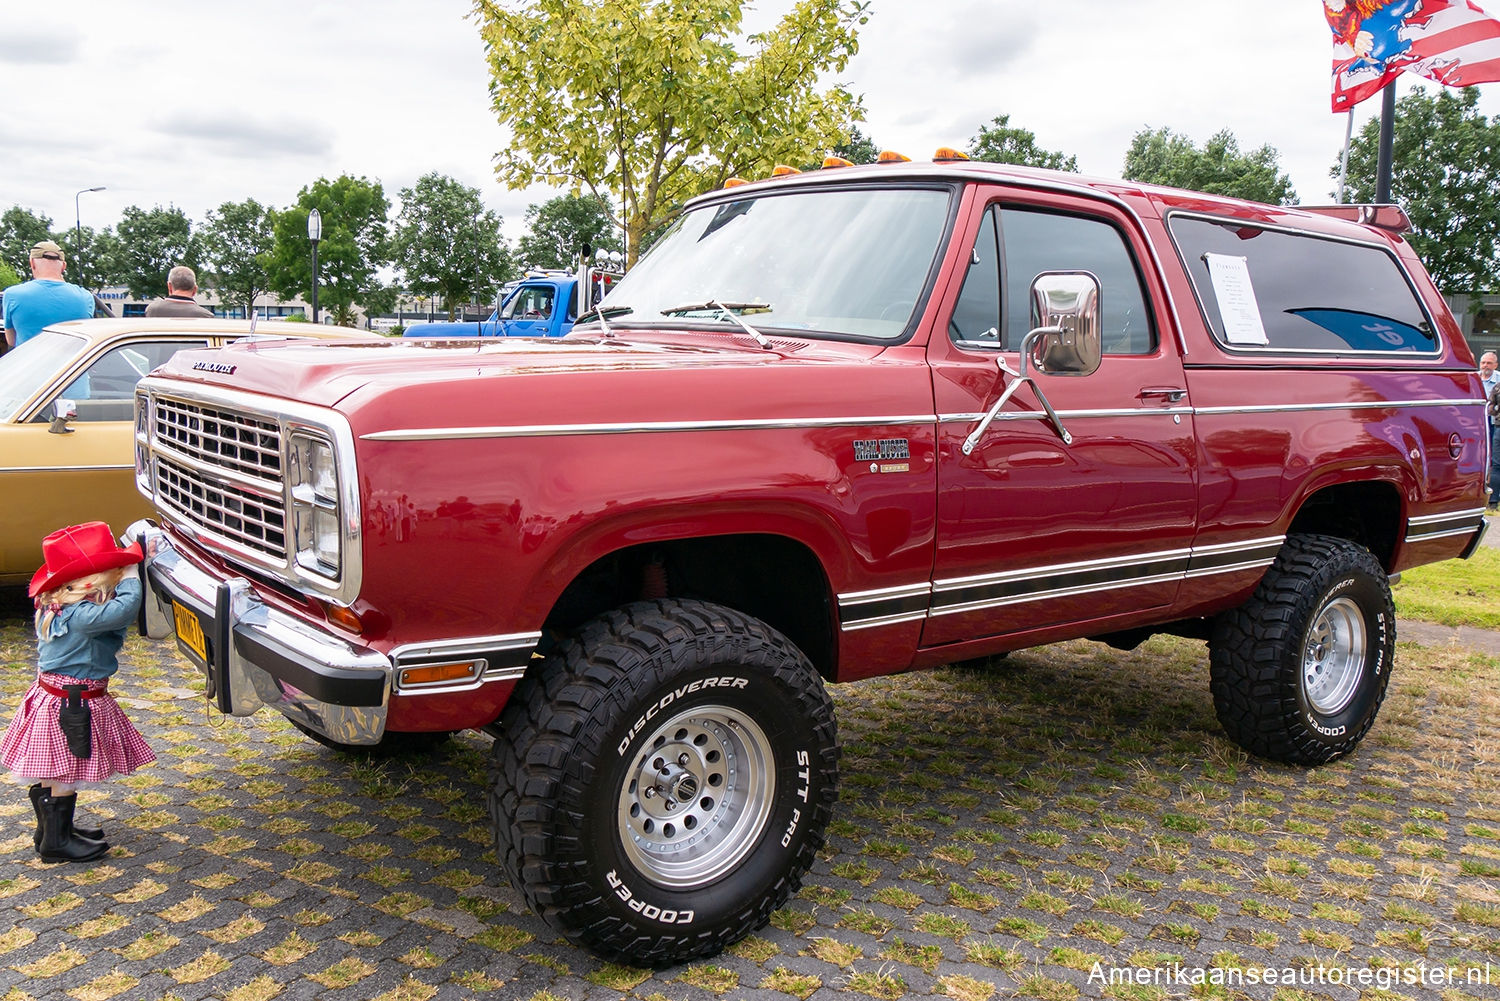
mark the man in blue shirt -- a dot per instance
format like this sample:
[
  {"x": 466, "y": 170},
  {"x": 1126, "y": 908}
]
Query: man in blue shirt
[{"x": 46, "y": 299}]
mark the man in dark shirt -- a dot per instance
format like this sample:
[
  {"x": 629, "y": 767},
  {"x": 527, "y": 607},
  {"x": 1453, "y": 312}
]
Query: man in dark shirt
[{"x": 182, "y": 286}]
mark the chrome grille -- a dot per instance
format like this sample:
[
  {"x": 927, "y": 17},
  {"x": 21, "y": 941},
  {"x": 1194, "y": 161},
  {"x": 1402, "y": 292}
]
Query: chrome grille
[
  {"x": 248, "y": 519},
  {"x": 223, "y": 438}
]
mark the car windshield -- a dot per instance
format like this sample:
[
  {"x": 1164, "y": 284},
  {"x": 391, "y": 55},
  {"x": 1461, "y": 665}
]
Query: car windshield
[
  {"x": 33, "y": 364},
  {"x": 851, "y": 261}
]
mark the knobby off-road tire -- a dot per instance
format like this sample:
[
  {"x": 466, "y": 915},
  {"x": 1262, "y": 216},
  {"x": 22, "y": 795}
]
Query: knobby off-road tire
[
  {"x": 663, "y": 781},
  {"x": 1298, "y": 672}
]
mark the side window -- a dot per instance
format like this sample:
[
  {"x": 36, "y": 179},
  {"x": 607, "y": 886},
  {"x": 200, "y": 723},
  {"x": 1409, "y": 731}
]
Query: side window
[
  {"x": 1310, "y": 293},
  {"x": 532, "y": 302},
  {"x": 976, "y": 317},
  {"x": 105, "y": 391},
  {"x": 1035, "y": 241}
]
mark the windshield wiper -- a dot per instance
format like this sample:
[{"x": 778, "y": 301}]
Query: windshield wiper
[
  {"x": 728, "y": 309},
  {"x": 603, "y": 311}
]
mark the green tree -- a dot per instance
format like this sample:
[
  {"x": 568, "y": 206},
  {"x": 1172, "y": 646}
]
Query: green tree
[
  {"x": 559, "y": 228},
  {"x": 649, "y": 102},
  {"x": 858, "y": 148},
  {"x": 1160, "y": 156},
  {"x": 447, "y": 243},
  {"x": 1000, "y": 142},
  {"x": 237, "y": 240},
  {"x": 1445, "y": 171},
  {"x": 20, "y": 230},
  {"x": 8, "y": 276},
  {"x": 151, "y": 244},
  {"x": 353, "y": 248},
  {"x": 96, "y": 264}
]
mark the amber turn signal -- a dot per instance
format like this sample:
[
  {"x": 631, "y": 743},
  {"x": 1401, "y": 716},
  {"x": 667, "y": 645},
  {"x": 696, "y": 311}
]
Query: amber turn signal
[
  {"x": 344, "y": 618},
  {"x": 436, "y": 674}
]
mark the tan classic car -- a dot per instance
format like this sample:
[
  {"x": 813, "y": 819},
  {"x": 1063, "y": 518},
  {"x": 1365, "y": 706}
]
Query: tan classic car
[{"x": 56, "y": 472}]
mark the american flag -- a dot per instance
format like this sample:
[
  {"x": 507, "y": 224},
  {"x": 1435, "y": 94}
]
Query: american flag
[{"x": 1452, "y": 42}]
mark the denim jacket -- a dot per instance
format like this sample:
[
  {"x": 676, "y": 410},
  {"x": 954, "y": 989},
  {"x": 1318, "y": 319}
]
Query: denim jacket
[{"x": 83, "y": 639}]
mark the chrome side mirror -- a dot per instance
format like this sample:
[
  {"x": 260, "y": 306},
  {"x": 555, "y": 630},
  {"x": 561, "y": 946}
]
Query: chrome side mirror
[
  {"x": 63, "y": 410},
  {"x": 1065, "y": 338}
]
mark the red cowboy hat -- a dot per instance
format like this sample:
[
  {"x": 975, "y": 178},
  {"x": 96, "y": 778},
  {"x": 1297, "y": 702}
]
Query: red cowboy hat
[{"x": 78, "y": 551}]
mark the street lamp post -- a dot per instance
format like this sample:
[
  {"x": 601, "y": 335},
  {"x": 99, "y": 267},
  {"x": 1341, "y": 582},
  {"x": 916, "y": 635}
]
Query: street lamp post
[
  {"x": 78, "y": 229},
  {"x": 315, "y": 233}
]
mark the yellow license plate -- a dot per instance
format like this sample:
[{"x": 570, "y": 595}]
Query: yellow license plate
[{"x": 189, "y": 632}]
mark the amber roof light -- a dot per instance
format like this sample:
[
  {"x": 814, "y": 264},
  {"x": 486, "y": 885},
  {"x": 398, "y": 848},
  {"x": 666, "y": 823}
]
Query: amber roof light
[
  {"x": 947, "y": 154},
  {"x": 891, "y": 156},
  {"x": 782, "y": 170}
]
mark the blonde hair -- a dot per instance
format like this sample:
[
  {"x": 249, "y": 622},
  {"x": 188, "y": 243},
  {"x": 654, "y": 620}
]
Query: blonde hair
[{"x": 97, "y": 587}]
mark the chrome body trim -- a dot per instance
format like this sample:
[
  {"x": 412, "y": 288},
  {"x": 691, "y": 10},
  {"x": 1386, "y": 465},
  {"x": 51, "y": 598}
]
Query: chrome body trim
[
  {"x": 64, "y": 469},
  {"x": 955, "y": 595},
  {"x": 648, "y": 427}
]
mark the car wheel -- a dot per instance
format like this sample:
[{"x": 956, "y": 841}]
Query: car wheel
[
  {"x": 1298, "y": 672},
  {"x": 663, "y": 781}
]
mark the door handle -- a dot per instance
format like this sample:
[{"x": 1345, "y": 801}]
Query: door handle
[{"x": 1168, "y": 394}]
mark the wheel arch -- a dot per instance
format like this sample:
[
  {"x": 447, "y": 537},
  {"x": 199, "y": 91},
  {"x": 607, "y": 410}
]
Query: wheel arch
[
  {"x": 1367, "y": 510},
  {"x": 769, "y": 573}
]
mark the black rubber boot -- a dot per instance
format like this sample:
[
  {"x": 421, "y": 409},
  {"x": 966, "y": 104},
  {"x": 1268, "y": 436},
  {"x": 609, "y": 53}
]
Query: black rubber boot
[
  {"x": 87, "y": 833},
  {"x": 58, "y": 842}
]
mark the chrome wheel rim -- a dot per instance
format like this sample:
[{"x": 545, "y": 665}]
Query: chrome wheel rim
[
  {"x": 696, "y": 797},
  {"x": 1333, "y": 657}
]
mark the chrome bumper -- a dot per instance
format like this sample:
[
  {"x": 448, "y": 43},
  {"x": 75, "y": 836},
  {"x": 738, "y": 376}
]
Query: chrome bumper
[{"x": 255, "y": 655}]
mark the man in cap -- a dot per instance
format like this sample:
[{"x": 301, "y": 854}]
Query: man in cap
[
  {"x": 182, "y": 287},
  {"x": 46, "y": 299}
]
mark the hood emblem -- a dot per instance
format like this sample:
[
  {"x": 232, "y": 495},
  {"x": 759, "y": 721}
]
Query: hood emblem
[{"x": 216, "y": 367}]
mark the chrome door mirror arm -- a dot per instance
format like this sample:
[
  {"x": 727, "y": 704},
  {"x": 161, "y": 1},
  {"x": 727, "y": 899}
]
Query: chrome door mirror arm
[{"x": 1021, "y": 379}]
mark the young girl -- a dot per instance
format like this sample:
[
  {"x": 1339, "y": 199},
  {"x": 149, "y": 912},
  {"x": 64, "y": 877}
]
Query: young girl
[{"x": 68, "y": 729}]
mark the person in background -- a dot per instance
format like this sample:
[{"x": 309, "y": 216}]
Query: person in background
[
  {"x": 182, "y": 287},
  {"x": 46, "y": 299},
  {"x": 1489, "y": 373}
]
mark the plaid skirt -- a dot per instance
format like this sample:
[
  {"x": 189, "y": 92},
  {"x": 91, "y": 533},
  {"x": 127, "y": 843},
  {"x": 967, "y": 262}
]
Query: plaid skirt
[{"x": 34, "y": 747}]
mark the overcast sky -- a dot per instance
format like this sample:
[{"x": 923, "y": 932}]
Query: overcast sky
[{"x": 194, "y": 105}]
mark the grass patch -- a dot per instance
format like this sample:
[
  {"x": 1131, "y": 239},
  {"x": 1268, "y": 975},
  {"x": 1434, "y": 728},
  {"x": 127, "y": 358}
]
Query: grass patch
[{"x": 1452, "y": 593}]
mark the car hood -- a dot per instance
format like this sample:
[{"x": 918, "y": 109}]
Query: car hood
[{"x": 503, "y": 379}]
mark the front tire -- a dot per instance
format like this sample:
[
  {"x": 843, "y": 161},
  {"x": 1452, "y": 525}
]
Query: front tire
[
  {"x": 1298, "y": 672},
  {"x": 663, "y": 781}
]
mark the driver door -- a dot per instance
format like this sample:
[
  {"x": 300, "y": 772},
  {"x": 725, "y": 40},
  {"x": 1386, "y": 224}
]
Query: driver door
[{"x": 1034, "y": 531}]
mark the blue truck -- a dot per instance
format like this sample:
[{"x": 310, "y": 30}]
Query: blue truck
[{"x": 543, "y": 304}]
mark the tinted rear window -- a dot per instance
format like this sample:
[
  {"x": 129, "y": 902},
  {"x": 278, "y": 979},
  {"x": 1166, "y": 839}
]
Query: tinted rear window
[{"x": 1311, "y": 293}]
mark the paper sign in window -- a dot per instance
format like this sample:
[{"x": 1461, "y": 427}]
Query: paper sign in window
[{"x": 1236, "y": 295}]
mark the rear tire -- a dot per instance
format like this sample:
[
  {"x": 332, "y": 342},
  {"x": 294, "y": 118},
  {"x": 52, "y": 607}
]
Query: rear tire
[
  {"x": 1298, "y": 672},
  {"x": 663, "y": 781}
]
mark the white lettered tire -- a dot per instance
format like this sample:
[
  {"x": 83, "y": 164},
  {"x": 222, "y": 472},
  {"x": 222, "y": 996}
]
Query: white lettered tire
[{"x": 663, "y": 781}]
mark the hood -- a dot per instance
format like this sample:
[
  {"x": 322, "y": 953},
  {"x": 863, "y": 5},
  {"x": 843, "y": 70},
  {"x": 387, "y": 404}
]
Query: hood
[{"x": 474, "y": 373}]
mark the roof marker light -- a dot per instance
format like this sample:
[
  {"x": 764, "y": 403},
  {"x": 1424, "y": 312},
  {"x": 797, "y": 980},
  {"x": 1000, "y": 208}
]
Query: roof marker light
[
  {"x": 947, "y": 154},
  {"x": 782, "y": 170},
  {"x": 891, "y": 156},
  {"x": 836, "y": 161},
  {"x": 735, "y": 182}
]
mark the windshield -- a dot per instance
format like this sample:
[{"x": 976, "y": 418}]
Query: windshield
[
  {"x": 33, "y": 364},
  {"x": 852, "y": 261}
]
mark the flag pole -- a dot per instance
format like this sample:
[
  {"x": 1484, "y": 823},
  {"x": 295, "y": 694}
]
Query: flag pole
[
  {"x": 1344, "y": 160},
  {"x": 1387, "y": 142}
]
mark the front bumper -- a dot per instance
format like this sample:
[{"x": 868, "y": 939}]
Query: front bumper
[{"x": 254, "y": 655}]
